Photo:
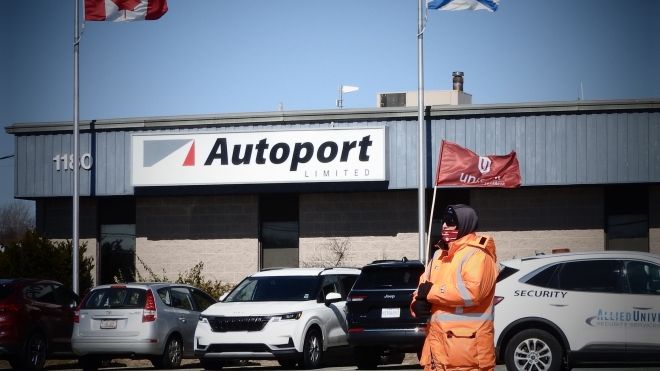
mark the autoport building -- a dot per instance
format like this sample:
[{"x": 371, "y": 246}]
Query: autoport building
[{"x": 242, "y": 192}]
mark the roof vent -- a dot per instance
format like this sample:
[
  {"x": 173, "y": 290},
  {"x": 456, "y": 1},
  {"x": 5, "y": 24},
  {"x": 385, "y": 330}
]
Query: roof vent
[{"x": 457, "y": 79}]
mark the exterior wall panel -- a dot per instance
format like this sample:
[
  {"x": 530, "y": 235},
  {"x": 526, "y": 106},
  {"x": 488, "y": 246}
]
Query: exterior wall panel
[
  {"x": 36, "y": 169},
  {"x": 654, "y": 146},
  {"x": 554, "y": 148}
]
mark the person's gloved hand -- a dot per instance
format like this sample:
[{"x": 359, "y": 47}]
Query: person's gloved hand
[
  {"x": 421, "y": 308},
  {"x": 423, "y": 290}
]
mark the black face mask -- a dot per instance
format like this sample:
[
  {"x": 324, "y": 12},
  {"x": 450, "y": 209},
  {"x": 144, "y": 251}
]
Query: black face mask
[{"x": 463, "y": 216}]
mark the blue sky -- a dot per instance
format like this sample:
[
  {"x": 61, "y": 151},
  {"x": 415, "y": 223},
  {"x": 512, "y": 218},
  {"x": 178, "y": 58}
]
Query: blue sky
[{"x": 212, "y": 56}]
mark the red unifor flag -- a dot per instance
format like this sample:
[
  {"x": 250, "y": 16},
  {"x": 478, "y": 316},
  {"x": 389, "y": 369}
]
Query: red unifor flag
[
  {"x": 458, "y": 166},
  {"x": 124, "y": 10}
]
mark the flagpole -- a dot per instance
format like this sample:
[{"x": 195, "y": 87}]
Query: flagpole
[
  {"x": 76, "y": 147},
  {"x": 421, "y": 204},
  {"x": 427, "y": 247}
]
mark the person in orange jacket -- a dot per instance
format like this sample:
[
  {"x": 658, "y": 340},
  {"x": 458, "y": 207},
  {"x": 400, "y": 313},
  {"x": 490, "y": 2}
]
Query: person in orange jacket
[{"x": 457, "y": 289}]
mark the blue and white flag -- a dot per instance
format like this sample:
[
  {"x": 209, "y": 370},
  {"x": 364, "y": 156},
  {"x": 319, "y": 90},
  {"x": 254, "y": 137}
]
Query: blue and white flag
[{"x": 490, "y": 5}]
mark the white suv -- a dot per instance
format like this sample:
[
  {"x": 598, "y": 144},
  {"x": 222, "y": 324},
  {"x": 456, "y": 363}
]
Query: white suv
[
  {"x": 558, "y": 311},
  {"x": 292, "y": 315}
]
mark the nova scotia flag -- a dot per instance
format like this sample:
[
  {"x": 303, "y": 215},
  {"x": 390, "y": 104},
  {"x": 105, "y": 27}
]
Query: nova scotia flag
[{"x": 490, "y": 5}]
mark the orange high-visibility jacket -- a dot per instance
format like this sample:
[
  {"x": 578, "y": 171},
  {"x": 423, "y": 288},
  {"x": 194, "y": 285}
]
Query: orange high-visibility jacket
[{"x": 460, "y": 332}]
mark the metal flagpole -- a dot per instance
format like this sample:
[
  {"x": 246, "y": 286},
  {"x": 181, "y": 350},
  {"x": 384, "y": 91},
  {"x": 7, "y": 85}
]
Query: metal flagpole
[
  {"x": 428, "y": 237},
  {"x": 76, "y": 146},
  {"x": 421, "y": 204}
]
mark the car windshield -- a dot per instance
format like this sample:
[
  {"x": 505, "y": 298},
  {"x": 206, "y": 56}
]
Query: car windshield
[
  {"x": 115, "y": 297},
  {"x": 389, "y": 278},
  {"x": 275, "y": 288}
]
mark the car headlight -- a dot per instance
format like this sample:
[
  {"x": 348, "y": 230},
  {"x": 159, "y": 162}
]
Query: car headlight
[
  {"x": 203, "y": 319},
  {"x": 292, "y": 315}
]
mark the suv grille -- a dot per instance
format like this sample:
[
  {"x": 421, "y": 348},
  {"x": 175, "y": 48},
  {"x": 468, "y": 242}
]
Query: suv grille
[{"x": 230, "y": 324}]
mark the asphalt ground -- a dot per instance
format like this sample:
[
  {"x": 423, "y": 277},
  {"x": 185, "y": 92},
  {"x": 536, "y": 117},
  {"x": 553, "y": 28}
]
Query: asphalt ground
[{"x": 336, "y": 364}]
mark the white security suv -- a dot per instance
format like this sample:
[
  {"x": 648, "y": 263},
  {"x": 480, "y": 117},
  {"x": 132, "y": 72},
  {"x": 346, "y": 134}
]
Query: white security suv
[
  {"x": 292, "y": 315},
  {"x": 558, "y": 311}
]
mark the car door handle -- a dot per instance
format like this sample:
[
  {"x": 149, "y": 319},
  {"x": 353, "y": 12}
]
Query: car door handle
[
  {"x": 642, "y": 308},
  {"x": 182, "y": 319},
  {"x": 559, "y": 305}
]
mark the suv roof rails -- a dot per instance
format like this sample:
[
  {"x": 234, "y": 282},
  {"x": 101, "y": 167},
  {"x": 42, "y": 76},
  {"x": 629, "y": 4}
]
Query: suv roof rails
[
  {"x": 328, "y": 268},
  {"x": 272, "y": 268},
  {"x": 402, "y": 260}
]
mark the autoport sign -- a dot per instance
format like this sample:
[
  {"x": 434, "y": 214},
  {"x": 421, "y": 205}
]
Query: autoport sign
[{"x": 296, "y": 156}]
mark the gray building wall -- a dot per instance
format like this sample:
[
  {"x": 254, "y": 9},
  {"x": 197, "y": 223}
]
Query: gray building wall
[
  {"x": 533, "y": 220},
  {"x": 563, "y": 143},
  {"x": 176, "y": 233},
  {"x": 372, "y": 225},
  {"x": 568, "y": 152},
  {"x": 565, "y": 148}
]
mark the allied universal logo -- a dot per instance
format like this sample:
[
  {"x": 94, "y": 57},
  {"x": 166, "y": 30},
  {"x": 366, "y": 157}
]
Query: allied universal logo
[{"x": 640, "y": 317}]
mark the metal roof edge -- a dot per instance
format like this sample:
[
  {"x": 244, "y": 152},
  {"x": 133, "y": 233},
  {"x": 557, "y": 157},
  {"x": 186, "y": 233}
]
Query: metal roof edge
[
  {"x": 545, "y": 107},
  {"x": 405, "y": 113}
]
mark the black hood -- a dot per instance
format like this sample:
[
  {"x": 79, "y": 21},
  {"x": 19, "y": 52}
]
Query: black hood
[{"x": 466, "y": 218}]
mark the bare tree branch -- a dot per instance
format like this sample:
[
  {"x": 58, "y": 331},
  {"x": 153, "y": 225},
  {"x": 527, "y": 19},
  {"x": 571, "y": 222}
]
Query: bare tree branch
[{"x": 15, "y": 219}]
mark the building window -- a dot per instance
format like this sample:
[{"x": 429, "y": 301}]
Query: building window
[
  {"x": 116, "y": 254},
  {"x": 279, "y": 230},
  {"x": 627, "y": 218}
]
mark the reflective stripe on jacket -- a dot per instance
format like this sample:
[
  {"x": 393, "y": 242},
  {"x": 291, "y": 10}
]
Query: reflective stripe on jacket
[{"x": 461, "y": 333}]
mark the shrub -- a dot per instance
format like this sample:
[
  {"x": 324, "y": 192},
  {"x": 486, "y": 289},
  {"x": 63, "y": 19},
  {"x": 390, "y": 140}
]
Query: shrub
[
  {"x": 34, "y": 256},
  {"x": 192, "y": 277}
]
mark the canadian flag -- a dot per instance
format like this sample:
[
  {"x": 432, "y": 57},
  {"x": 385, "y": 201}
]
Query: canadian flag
[{"x": 124, "y": 10}]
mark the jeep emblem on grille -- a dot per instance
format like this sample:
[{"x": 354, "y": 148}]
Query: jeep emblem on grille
[{"x": 388, "y": 296}]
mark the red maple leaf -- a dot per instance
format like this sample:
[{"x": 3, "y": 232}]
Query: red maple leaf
[{"x": 126, "y": 4}]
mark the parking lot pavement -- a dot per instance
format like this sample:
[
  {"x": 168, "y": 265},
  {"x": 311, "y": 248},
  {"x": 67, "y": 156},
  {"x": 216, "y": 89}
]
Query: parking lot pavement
[{"x": 193, "y": 365}]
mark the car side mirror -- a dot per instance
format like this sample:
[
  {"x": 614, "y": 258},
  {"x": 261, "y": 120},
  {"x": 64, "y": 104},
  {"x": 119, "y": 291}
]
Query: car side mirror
[
  {"x": 223, "y": 296},
  {"x": 332, "y": 297}
]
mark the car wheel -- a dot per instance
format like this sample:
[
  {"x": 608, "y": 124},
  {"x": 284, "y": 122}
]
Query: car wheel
[
  {"x": 171, "y": 357},
  {"x": 34, "y": 353},
  {"x": 89, "y": 363},
  {"x": 367, "y": 358},
  {"x": 211, "y": 363},
  {"x": 533, "y": 350},
  {"x": 312, "y": 349},
  {"x": 288, "y": 363}
]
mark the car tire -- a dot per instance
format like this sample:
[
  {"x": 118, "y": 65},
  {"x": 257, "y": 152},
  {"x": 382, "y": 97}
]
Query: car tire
[
  {"x": 367, "y": 358},
  {"x": 534, "y": 350},
  {"x": 171, "y": 357},
  {"x": 89, "y": 363},
  {"x": 312, "y": 349},
  {"x": 33, "y": 356},
  {"x": 212, "y": 363}
]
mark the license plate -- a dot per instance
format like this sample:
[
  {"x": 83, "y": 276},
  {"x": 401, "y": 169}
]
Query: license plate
[
  {"x": 390, "y": 313},
  {"x": 108, "y": 323}
]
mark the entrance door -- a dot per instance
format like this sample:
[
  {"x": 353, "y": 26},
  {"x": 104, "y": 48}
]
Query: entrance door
[
  {"x": 117, "y": 253},
  {"x": 278, "y": 232}
]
